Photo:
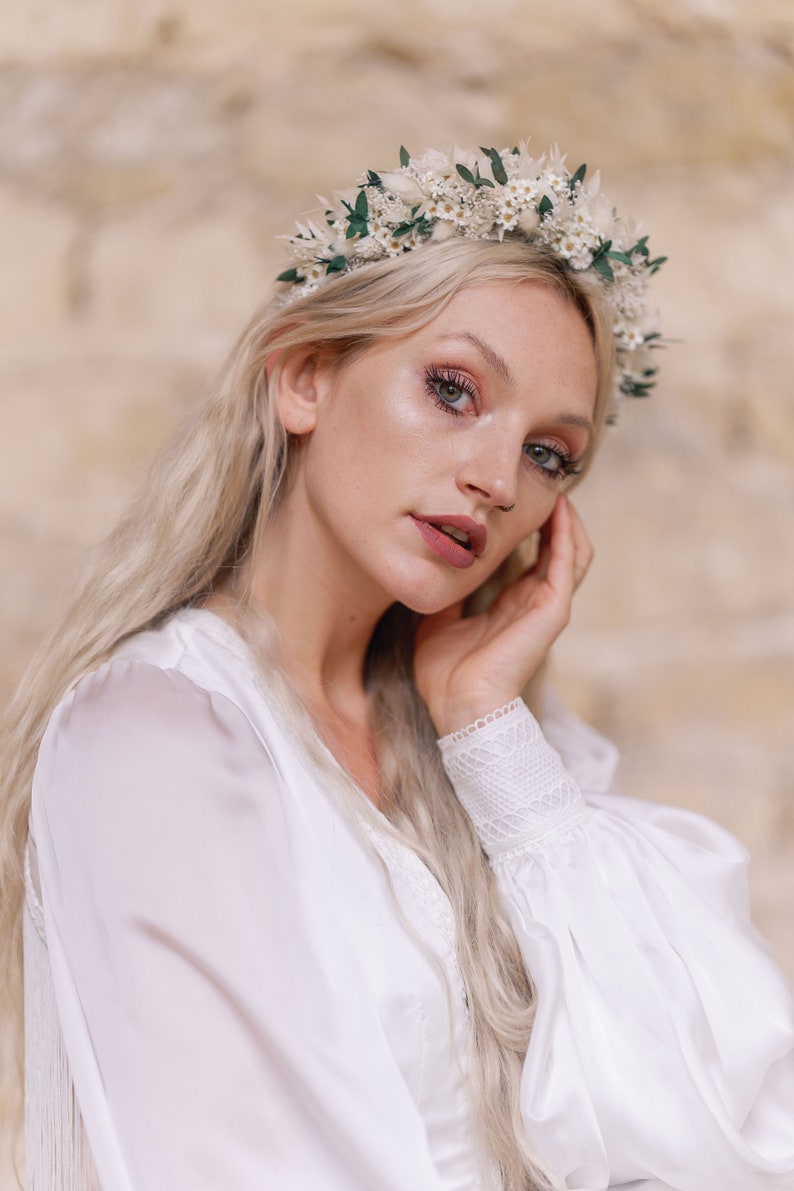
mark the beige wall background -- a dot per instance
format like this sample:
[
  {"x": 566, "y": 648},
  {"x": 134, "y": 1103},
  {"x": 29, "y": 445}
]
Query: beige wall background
[{"x": 150, "y": 149}]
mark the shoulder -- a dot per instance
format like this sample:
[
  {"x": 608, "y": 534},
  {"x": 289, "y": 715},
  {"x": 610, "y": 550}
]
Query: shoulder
[
  {"x": 127, "y": 702},
  {"x": 134, "y": 734}
]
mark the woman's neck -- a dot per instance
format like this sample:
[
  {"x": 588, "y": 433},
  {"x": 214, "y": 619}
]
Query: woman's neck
[
  {"x": 325, "y": 612},
  {"x": 324, "y": 607}
]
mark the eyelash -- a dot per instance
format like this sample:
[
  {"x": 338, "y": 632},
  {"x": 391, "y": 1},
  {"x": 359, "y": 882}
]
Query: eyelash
[
  {"x": 434, "y": 377},
  {"x": 448, "y": 376}
]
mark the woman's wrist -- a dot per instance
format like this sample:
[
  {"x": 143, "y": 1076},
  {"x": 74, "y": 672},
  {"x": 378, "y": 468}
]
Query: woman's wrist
[
  {"x": 469, "y": 718},
  {"x": 459, "y": 716}
]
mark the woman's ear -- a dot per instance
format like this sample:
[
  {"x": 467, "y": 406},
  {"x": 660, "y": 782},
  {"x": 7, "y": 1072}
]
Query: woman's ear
[{"x": 296, "y": 379}]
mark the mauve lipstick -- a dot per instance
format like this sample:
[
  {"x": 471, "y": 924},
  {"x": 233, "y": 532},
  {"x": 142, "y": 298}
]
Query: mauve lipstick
[{"x": 451, "y": 551}]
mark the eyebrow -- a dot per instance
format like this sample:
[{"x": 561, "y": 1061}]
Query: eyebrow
[
  {"x": 499, "y": 365},
  {"x": 496, "y": 362},
  {"x": 577, "y": 420}
]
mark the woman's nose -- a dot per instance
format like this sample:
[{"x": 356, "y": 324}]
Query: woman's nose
[{"x": 491, "y": 473}]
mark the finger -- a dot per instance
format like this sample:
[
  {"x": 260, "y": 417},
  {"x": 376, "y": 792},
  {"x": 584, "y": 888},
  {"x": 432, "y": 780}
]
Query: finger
[
  {"x": 560, "y": 573},
  {"x": 541, "y": 563},
  {"x": 583, "y": 548}
]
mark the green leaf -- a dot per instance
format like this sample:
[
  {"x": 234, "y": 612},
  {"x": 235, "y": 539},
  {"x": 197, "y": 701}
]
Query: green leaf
[
  {"x": 641, "y": 246},
  {"x": 356, "y": 227},
  {"x": 465, "y": 174},
  {"x": 289, "y": 275},
  {"x": 403, "y": 229},
  {"x": 603, "y": 249},
  {"x": 623, "y": 257},
  {"x": 603, "y": 267},
  {"x": 515, "y": 150},
  {"x": 497, "y": 165},
  {"x": 373, "y": 179},
  {"x": 336, "y": 265},
  {"x": 545, "y": 206},
  {"x": 578, "y": 176},
  {"x": 362, "y": 206},
  {"x": 405, "y": 156},
  {"x": 656, "y": 264}
]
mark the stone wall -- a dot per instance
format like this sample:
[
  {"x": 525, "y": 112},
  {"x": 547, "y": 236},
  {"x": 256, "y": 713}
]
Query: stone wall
[{"x": 150, "y": 149}]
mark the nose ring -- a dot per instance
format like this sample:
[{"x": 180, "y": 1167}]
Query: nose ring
[{"x": 507, "y": 508}]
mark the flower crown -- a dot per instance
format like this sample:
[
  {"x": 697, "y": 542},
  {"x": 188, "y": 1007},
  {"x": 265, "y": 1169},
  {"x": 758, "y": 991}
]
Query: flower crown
[{"x": 487, "y": 196}]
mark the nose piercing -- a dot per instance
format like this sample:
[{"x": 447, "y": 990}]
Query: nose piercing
[{"x": 507, "y": 508}]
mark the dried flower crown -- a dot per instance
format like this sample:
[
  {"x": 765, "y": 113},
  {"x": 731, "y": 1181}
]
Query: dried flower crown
[{"x": 487, "y": 196}]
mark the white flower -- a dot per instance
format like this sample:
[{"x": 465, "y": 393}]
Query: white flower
[
  {"x": 448, "y": 209},
  {"x": 507, "y": 218},
  {"x": 567, "y": 245}
]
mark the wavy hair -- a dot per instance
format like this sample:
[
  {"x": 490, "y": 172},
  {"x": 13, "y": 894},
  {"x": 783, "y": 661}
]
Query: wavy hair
[{"x": 203, "y": 509}]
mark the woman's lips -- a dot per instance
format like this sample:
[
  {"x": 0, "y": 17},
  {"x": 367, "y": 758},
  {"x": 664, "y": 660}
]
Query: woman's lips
[{"x": 454, "y": 552}]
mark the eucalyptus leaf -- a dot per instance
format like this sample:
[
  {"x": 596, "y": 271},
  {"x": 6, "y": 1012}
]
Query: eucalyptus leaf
[
  {"x": 336, "y": 265},
  {"x": 545, "y": 206},
  {"x": 405, "y": 156},
  {"x": 465, "y": 174},
  {"x": 362, "y": 206},
  {"x": 603, "y": 267},
  {"x": 289, "y": 275},
  {"x": 497, "y": 165}
]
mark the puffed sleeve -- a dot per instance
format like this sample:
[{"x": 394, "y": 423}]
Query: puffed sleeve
[
  {"x": 662, "y": 1052},
  {"x": 217, "y": 1034}
]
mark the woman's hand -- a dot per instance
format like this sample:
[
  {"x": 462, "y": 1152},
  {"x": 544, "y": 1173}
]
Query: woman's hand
[{"x": 467, "y": 668}]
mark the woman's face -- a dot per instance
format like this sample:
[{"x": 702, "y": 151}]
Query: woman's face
[{"x": 489, "y": 405}]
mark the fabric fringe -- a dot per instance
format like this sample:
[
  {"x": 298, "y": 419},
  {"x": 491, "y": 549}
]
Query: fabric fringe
[{"x": 57, "y": 1154}]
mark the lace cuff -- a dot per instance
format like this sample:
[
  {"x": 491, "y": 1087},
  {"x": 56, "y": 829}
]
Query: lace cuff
[{"x": 511, "y": 783}]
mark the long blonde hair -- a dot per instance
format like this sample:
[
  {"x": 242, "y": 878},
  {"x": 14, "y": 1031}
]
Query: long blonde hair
[{"x": 206, "y": 505}]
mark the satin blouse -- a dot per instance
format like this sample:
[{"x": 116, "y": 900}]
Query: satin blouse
[{"x": 255, "y": 989}]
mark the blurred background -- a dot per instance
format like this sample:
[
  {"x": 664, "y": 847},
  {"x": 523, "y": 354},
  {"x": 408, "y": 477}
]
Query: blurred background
[{"x": 151, "y": 149}]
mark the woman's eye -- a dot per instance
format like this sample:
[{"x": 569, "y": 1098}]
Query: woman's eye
[
  {"x": 555, "y": 463},
  {"x": 450, "y": 392}
]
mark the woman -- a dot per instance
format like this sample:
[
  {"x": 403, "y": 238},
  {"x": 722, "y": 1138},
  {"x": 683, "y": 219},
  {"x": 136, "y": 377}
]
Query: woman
[{"x": 275, "y": 936}]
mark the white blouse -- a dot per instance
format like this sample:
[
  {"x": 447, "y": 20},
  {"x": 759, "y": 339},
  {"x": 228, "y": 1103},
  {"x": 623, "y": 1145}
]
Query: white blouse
[{"x": 250, "y": 991}]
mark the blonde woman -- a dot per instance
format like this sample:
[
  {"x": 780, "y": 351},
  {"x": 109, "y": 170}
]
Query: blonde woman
[{"x": 310, "y": 897}]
